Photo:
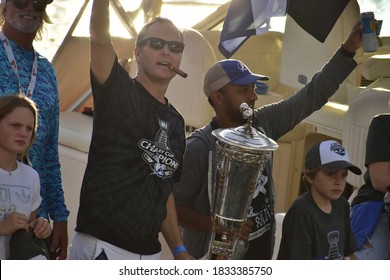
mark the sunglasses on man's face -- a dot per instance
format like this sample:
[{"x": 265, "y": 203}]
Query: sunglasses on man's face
[
  {"x": 38, "y": 5},
  {"x": 158, "y": 44}
]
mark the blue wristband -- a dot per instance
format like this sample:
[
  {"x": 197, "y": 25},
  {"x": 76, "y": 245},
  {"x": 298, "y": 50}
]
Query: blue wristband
[{"x": 178, "y": 249}]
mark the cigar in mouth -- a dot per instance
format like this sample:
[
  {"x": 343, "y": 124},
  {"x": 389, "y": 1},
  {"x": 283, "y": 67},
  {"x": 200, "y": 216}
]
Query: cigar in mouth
[{"x": 174, "y": 69}]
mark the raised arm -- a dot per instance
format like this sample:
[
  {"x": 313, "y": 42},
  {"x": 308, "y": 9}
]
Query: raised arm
[
  {"x": 354, "y": 40},
  {"x": 102, "y": 51}
]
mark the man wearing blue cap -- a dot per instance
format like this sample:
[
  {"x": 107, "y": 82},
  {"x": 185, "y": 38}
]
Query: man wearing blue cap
[{"x": 227, "y": 85}]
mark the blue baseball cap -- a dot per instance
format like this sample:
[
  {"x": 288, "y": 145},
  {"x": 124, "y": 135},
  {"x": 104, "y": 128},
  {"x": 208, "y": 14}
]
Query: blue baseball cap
[{"x": 229, "y": 71}]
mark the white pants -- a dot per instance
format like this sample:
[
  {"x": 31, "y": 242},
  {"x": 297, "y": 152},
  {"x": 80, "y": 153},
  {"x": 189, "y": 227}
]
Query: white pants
[{"x": 87, "y": 247}]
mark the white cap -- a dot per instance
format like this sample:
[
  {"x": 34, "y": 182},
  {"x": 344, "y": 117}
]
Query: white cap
[{"x": 329, "y": 155}]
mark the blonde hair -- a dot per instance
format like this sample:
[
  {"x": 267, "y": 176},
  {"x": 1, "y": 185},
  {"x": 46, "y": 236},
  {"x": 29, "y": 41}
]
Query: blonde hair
[
  {"x": 8, "y": 104},
  {"x": 40, "y": 31}
]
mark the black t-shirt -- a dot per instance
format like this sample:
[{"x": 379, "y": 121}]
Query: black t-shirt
[
  {"x": 377, "y": 150},
  {"x": 135, "y": 154},
  {"x": 310, "y": 234}
]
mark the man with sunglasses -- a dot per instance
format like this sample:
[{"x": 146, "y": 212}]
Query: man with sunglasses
[
  {"x": 137, "y": 145},
  {"x": 227, "y": 84},
  {"x": 25, "y": 71}
]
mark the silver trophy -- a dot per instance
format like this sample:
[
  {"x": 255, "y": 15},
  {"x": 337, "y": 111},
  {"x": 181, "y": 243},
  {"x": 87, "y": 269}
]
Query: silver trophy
[{"x": 241, "y": 154}]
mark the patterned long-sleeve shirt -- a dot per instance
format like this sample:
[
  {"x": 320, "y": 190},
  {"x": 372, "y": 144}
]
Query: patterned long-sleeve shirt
[{"x": 44, "y": 152}]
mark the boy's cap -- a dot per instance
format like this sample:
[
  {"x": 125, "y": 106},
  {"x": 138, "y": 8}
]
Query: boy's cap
[
  {"x": 329, "y": 155},
  {"x": 229, "y": 71}
]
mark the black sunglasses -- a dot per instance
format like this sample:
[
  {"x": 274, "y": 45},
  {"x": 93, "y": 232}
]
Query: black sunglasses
[
  {"x": 158, "y": 44},
  {"x": 38, "y": 5}
]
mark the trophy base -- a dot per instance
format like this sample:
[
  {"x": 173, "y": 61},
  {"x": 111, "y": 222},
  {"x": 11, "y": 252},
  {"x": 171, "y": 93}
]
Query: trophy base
[
  {"x": 220, "y": 250},
  {"x": 224, "y": 237}
]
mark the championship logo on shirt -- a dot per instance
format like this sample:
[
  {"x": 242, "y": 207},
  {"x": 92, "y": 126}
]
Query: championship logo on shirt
[
  {"x": 158, "y": 154},
  {"x": 333, "y": 239}
]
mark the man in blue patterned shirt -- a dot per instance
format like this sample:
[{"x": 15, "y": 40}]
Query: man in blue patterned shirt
[{"x": 23, "y": 70}]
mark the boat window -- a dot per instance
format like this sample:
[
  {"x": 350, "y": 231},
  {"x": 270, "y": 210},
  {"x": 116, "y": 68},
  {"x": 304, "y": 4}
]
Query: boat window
[
  {"x": 64, "y": 12},
  {"x": 184, "y": 14}
]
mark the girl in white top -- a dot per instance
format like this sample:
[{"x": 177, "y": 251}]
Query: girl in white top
[{"x": 19, "y": 183}]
